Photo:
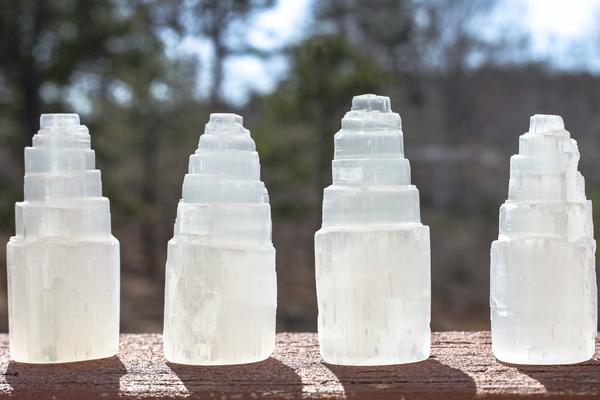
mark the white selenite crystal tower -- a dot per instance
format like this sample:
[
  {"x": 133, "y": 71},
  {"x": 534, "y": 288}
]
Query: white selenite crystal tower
[
  {"x": 63, "y": 262},
  {"x": 372, "y": 253},
  {"x": 543, "y": 279},
  {"x": 221, "y": 289}
]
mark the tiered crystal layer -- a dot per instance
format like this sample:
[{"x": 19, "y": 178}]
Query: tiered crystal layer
[
  {"x": 63, "y": 262},
  {"x": 372, "y": 253},
  {"x": 543, "y": 280},
  {"x": 221, "y": 290}
]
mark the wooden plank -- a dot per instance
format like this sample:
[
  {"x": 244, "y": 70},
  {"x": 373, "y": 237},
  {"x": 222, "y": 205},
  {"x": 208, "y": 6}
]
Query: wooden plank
[{"x": 461, "y": 366}]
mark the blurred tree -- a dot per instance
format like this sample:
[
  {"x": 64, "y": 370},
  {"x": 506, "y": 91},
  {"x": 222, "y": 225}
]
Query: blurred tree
[
  {"x": 409, "y": 35},
  {"x": 410, "y": 38},
  {"x": 111, "y": 55},
  {"x": 421, "y": 42},
  {"x": 47, "y": 43},
  {"x": 325, "y": 72},
  {"x": 224, "y": 24},
  {"x": 456, "y": 46},
  {"x": 384, "y": 29},
  {"x": 156, "y": 95}
]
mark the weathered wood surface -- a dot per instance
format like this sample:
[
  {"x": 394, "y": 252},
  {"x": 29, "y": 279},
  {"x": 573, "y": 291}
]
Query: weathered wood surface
[{"x": 461, "y": 366}]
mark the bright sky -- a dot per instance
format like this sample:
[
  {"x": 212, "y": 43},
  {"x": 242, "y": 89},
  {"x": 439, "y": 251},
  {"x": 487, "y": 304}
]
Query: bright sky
[
  {"x": 561, "y": 18},
  {"x": 272, "y": 29},
  {"x": 561, "y": 31},
  {"x": 275, "y": 28},
  {"x": 570, "y": 25}
]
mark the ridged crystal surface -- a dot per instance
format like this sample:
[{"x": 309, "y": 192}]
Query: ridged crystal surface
[
  {"x": 63, "y": 262},
  {"x": 221, "y": 292},
  {"x": 372, "y": 253},
  {"x": 543, "y": 280}
]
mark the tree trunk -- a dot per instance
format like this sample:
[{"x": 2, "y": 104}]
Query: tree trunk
[
  {"x": 325, "y": 153},
  {"x": 29, "y": 78},
  {"x": 217, "y": 71},
  {"x": 150, "y": 143},
  {"x": 30, "y": 107}
]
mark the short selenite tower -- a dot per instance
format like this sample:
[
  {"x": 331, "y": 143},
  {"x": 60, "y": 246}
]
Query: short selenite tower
[
  {"x": 221, "y": 289},
  {"x": 63, "y": 262},
  {"x": 372, "y": 253},
  {"x": 543, "y": 280}
]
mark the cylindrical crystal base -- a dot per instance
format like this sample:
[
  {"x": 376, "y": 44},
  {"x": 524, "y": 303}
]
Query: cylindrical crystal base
[
  {"x": 63, "y": 299},
  {"x": 543, "y": 301},
  {"x": 220, "y": 303},
  {"x": 374, "y": 295}
]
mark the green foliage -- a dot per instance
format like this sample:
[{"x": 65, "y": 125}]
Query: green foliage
[
  {"x": 386, "y": 30},
  {"x": 295, "y": 139},
  {"x": 326, "y": 71},
  {"x": 109, "y": 57}
]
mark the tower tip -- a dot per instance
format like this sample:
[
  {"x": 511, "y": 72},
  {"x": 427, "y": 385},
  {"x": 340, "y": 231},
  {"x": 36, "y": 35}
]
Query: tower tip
[
  {"x": 226, "y": 118},
  {"x": 371, "y": 102},
  {"x": 225, "y": 123},
  {"x": 540, "y": 123},
  {"x": 56, "y": 120}
]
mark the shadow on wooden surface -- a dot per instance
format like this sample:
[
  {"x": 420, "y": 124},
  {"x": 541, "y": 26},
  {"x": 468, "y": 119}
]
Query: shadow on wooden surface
[
  {"x": 408, "y": 380},
  {"x": 270, "y": 378},
  {"x": 461, "y": 366},
  {"x": 82, "y": 380},
  {"x": 576, "y": 379}
]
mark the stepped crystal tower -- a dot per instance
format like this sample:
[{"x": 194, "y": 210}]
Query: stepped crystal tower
[
  {"x": 63, "y": 262},
  {"x": 372, "y": 253},
  {"x": 543, "y": 280},
  {"x": 221, "y": 289}
]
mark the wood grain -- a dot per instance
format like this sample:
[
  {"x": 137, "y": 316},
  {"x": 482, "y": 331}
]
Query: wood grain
[{"x": 461, "y": 367}]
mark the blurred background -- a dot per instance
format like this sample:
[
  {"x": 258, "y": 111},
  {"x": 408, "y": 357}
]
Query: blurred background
[{"x": 144, "y": 75}]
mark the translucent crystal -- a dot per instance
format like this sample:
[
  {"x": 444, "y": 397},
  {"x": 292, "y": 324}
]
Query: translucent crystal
[
  {"x": 543, "y": 280},
  {"x": 372, "y": 252},
  {"x": 221, "y": 292},
  {"x": 63, "y": 262}
]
